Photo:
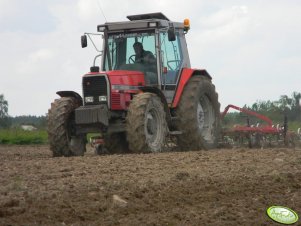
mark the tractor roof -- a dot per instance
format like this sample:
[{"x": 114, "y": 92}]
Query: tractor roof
[
  {"x": 141, "y": 21},
  {"x": 147, "y": 16}
]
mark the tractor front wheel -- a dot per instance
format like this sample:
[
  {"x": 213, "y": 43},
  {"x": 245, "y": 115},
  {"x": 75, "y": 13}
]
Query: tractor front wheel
[
  {"x": 146, "y": 124},
  {"x": 61, "y": 132}
]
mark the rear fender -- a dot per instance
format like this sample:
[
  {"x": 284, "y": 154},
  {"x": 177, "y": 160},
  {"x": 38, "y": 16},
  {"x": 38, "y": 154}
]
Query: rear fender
[
  {"x": 70, "y": 94},
  {"x": 186, "y": 74},
  {"x": 159, "y": 93}
]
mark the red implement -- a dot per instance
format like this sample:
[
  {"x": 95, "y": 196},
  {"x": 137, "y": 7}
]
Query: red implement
[{"x": 259, "y": 135}]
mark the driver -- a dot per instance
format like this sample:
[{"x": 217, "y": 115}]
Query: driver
[{"x": 143, "y": 56}]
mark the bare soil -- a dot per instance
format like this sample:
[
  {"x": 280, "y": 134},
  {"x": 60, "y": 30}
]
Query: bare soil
[{"x": 218, "y": 187}]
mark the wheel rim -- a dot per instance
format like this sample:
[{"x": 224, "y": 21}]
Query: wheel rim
[
  {"x": 206, "y": 119},
  {"x": 152, "y": 128}
]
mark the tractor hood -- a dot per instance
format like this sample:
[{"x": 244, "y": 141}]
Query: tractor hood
[{"x": 122, "y": 77}]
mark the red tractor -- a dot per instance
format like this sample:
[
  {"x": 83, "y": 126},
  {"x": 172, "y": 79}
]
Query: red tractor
[{"x": 144, "y": 93}]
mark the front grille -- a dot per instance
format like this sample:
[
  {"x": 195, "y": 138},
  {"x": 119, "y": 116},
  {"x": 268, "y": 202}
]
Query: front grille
[
  {"x": 94, "y": 86},
  {"x": 115, "y": 99}
]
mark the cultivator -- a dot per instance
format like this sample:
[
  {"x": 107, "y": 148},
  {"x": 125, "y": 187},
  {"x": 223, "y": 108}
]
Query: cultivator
[{"x": 258, "y": 136}]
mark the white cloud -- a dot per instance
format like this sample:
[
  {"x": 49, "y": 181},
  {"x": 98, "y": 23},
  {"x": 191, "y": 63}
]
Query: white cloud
[
  {"x": 224, "y": 17},
  {"x": 39, "y": 57},
  {"x": 7, "y": 8},
  {"x": 88, "y": 9}
]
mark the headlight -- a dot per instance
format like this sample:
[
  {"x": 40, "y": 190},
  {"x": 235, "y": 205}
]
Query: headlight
[
  {"x": 102, "y": 98},
  {"x": 89, "y": 99}
]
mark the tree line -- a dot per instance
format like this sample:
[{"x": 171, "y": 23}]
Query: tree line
[{"x": 7, "y": 121}]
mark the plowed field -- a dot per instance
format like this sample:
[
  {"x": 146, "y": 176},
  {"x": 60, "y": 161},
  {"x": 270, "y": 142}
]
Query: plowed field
[{"x": 218, "y": 187}]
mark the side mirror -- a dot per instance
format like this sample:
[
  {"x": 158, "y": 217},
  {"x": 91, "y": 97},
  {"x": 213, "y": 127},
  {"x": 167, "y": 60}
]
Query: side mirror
[
  {"x": 84, "y": 41},
  {"x": 171, "y": 34}
]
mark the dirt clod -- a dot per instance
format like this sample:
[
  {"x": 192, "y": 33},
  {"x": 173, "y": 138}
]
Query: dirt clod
[{"x": 119, "y": 202}]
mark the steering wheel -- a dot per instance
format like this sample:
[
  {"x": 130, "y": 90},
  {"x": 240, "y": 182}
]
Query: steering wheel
[{"x": 132, "y": 59}]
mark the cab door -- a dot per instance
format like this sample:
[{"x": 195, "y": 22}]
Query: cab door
[{"x": 171, "y": 57}]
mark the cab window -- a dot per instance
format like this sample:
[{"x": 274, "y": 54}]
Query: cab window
[{"x": 171, "y": 57}]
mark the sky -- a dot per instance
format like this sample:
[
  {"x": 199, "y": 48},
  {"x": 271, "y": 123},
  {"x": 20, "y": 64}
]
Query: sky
[{"x": 252, "y": 49}]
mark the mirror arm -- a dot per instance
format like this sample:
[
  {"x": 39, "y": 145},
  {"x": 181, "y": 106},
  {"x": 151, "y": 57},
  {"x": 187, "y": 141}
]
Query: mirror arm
[
  {"x": 88, "y": 34},
  {"x": 96, "y": 58}
]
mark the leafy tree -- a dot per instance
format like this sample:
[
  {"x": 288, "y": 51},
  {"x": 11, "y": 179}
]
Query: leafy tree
[
  {"x": 4, "y": 118},
  {"x": 295, "y": 113},
  {"x": 3, "y": 107}
]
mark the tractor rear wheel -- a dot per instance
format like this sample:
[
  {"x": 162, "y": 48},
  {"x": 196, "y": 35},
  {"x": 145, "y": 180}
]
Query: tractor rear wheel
[
  {"x": 116, "y": 143},
  {"x": 198, "y": 114},
  {"x": 146, "y": 124},
  {"x": 61, "y": 131}
]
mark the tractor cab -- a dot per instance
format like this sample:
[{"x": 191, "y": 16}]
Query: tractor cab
[{"x": 148, "y": 43}]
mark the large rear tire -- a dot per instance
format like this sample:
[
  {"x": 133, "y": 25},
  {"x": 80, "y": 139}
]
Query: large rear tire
[
  {"x": 61, "y": 131},
  {"x": 146, "y": 124},
  {"x": 198, "y": 114},
  {"x": 116, "y": 143}
]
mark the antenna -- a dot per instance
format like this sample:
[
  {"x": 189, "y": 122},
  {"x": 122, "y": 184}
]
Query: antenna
[{"x": 99, "y": 6}]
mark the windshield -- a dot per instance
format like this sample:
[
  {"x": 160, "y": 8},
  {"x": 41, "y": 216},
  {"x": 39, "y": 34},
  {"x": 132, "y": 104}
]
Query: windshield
[
  {"x": 121, "y": 50},
  {"x": 131, "y": 51}
]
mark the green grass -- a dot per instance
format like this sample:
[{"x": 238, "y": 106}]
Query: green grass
[
  {"x": 294, "y": 126},
  {"x": 18, "y": 136}
]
